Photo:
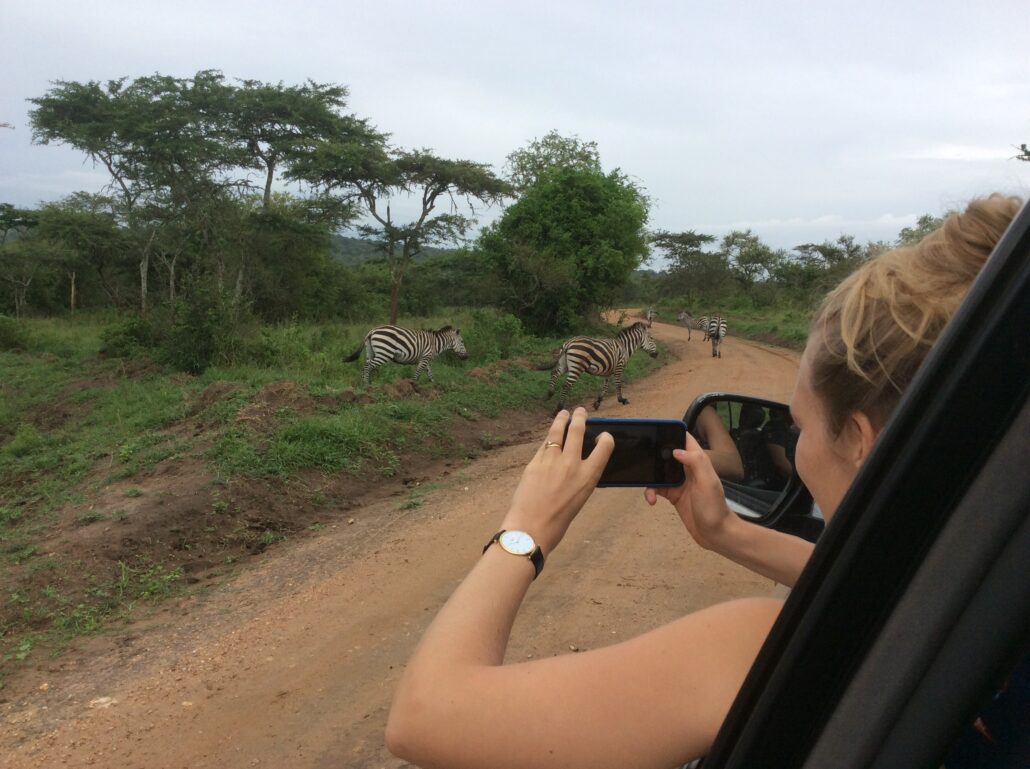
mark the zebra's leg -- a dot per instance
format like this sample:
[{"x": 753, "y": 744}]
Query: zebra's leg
[
  {"x": 570, "y": 380},
  {"x": 423, "y": 365},
  {"x": 366, "y": 372},
  {"x": 604, "y": 391},
  {"x": 554, "y": 383},
  {"x": 618, "y": 386}
]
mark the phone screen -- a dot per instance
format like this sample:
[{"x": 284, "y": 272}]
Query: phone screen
[{"x": 643, "y": 451}]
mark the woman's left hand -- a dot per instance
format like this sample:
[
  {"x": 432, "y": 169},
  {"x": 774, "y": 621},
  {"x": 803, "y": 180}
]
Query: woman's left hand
[{"x": 557, "y": 481}]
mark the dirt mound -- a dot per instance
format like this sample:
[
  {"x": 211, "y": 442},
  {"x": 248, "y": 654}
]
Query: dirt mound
[
  {"x": 261, "y": 414},
  {"x": 211, "y": 394}
]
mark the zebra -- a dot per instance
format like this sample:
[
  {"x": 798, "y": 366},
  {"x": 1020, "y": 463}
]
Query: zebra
[
  {"x": 716, "y": 332},
  {"x": 688, "y": 320},
  {"x": 601, "y": 357},
  {"x": 650, "y": 315},
  {"x": 405, "y": 345}
]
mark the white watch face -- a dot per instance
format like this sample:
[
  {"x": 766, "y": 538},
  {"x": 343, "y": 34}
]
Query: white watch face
[{"x": 517, "y": 542}]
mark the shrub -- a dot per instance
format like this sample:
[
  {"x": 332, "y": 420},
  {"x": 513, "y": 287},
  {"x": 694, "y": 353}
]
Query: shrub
[
  {"x": 127, "y": 338},
  {"x": 493, "y": 336},
  {"x": 13, "y": 334},
  {"x": 204, "y": 329}
]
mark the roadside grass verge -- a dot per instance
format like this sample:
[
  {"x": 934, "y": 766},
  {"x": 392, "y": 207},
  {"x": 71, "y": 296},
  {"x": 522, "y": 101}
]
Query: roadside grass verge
[{"x": 73, "y": 423}]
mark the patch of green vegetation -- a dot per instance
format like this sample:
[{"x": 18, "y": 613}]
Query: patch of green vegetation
[{"x": 417, "y": 495}]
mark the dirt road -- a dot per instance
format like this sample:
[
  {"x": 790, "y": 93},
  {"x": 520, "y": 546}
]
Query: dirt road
[{"x": 293, "y": 664}]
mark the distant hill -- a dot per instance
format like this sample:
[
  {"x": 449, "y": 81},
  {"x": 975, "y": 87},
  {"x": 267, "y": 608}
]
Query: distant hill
[{"x": 355, "y": 251}]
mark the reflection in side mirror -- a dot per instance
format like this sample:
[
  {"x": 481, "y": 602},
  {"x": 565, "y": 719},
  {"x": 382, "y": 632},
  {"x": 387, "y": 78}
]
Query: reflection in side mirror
[{"x": 751, "y": 443}]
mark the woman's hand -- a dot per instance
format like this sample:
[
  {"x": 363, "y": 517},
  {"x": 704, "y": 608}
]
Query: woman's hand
[
  {"x": 557, "y": 481},
  {"x": 699, "y": 501}
]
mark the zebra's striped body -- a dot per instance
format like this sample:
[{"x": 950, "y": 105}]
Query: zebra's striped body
[
  {"x": 405, "y": 345},
  {"x": 688, "y": 320},
  {"x": 716, "y": 332},
  {"x": 601, "y": 357}
]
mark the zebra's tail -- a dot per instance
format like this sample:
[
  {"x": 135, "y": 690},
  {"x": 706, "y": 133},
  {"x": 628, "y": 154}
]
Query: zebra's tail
[
  {"x": 356, "y": 354},
  {"x": 546, "y": 366}
]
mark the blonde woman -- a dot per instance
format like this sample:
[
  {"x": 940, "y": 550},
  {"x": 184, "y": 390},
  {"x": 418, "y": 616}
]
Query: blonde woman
[{"x": 659, "y": 699}]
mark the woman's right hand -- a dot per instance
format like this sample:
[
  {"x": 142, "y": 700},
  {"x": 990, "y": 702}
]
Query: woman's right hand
[
  {"x": 557, "y": 481},
  {"x": 700, "y": 500}
]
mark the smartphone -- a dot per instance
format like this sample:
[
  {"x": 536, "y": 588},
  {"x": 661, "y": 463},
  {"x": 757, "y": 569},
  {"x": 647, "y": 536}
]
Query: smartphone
[{"x": 643, "y": 450}]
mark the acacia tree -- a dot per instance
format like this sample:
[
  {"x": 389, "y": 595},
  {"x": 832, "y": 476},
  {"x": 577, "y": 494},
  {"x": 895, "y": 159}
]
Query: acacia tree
[
  {"x": 85, "y": 225},
  {"x": 19, "y": 255},
  {"x": 692, "y": 272},
  {"x": 273, "y": 121},
  {"x": 750, "y": 260},
  {"x": 179, "y": 152},
  {"x": 370, "y": 175}
]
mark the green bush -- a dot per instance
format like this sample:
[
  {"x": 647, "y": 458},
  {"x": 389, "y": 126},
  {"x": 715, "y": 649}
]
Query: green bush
[
  {"x": 127, "y": 338},
  {"x": 493, "y": 336},
  {"x": 278, "y": 346},
  {"x": 204, "y": 331},
  {"x": 13, "y": 334}
]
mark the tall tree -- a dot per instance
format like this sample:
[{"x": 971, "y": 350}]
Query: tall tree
[
  {"x": 85, "y": 225},
  {"x": 567, "y": 247},
  {"x": 692, "y": 271},
  {"x": 750, "y": 260},
  {"x": 525, "y": 166},
  {"x": 365, "y": 172},
  {"x": 20, "y": 255},
  {"x": 273, "y": 121},
  {"x": 180, "y": 152}
]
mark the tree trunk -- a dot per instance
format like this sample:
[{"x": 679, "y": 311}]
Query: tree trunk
[
  {"x": 144, "y": 270},
  {"x": 268, "y": 185},
  {"x": 72, "y": 296},
  {"x": 171, "y": 279},
  {"x": 395, "y": 291},
  {"x": 237, "y": 293}
]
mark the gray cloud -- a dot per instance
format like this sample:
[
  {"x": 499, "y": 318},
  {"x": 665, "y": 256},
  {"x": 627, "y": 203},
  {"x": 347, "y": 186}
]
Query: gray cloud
[{"x": 799, "y": 120}]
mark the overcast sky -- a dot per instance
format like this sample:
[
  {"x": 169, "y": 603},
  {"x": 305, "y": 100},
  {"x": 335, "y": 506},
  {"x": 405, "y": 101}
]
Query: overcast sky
[{"x": 799, "y": 120}]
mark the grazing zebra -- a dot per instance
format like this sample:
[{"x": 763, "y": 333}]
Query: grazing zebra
[
  {"x": 716, "y": 332},
  {"x": 404, "y": 345},
  {"x": 688, "y": 320},
  {"x": 601, "y": 357},
  {"x": 650, "y": 315}
]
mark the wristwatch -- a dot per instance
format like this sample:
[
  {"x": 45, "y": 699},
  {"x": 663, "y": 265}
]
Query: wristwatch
[{"x": 519, "y": 543}]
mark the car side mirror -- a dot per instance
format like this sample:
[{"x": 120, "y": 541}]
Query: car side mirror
[{"x": 751, "y": 442}]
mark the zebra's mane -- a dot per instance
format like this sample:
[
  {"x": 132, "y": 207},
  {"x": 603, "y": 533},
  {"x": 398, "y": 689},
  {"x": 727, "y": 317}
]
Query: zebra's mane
[
  {"x": 639, "y": 323},
  {"x": 442, "y": 329}
]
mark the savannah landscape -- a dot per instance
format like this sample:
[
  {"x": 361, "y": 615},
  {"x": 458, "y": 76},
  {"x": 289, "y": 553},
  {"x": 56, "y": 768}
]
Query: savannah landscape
[{"x": 217, "y": 545}]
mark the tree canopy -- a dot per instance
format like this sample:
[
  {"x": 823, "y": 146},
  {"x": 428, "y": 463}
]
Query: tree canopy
[{"x": 567, "y": 246}]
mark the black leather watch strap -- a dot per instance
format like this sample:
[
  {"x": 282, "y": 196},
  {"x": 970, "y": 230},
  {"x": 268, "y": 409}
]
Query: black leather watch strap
[{"x": 536, "y": 555}]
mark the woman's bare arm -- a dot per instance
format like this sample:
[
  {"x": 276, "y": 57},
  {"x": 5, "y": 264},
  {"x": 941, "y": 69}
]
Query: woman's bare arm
[
  {"x": 656, "y": 700},
  {"x": 651, "y": 701}
]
